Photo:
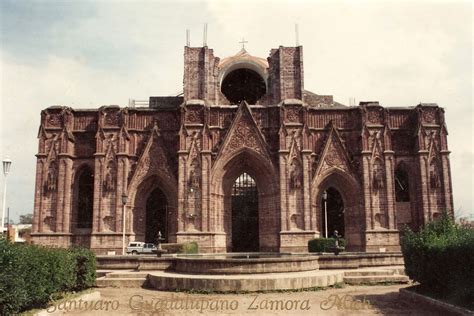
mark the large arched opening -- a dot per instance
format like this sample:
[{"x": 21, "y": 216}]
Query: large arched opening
[
  {"x": 243, "y": 84},
  {"x": 332, "y": 215},
  {"x": 245, "y": 214},
  {"x": 153, "y": 211},
  {"x": 254, "y": 176},
  {"x": 156, "y": 218},
  {"x": 84, "y": 201},
  {"x": 345, "y": 213}
]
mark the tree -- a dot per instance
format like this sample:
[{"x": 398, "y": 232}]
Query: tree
[{"x": 26, "y": 219}]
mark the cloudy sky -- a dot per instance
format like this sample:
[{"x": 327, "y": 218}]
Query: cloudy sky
[{"x": 90, "y": 53}]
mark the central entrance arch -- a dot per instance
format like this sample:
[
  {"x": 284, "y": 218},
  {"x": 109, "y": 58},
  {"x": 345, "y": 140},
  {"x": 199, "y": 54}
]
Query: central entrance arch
[
  {"x": 156, "y": 218},
  {"x": 245, "y": 214},
  {"x": 261, "y": 201}
]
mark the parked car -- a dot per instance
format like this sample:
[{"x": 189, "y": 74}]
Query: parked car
[{"x": 138, "y": 247}]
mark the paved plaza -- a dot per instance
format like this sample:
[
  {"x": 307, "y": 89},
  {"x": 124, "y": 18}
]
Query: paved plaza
[{"x": 349, "y": 300}]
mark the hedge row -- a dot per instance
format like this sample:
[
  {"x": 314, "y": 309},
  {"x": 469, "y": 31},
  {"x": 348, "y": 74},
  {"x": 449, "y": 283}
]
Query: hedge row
[
  {"x": 30, "y": 276},
  {"x": 185, "y": 248},
  {"x": 441, "y": 258},
  {"x": 324, "y": 244}
]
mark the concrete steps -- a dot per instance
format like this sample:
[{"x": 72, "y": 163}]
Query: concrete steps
[
  {"x": 375, "y": 276},
  {"x": 368, "y": 273},
  {"x": 120, "y": 282},
  {"x": 162, "y": 280},
  {"x": 127, "y": 275},
  {"x": 245, "y": 282},
  {"x": 125, "y": 279}
]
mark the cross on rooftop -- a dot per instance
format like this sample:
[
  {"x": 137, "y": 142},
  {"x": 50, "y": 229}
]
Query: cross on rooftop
[{"x": 243, "y": 42}]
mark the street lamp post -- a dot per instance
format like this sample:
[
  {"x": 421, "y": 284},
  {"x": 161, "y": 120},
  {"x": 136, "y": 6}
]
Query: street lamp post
[
  {"x": 124, "y": 201},
  {"x": 6, "y": 169},
  {"x": 325, "y": 197}
]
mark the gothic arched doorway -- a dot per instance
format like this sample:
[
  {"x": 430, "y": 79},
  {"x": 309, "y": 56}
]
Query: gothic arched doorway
[
  {"x": 156, "y": 218},
  {"x": 345, "y": 212},
  {"x": 245, "y": 228},
  {"x": 333, "y": 206}
]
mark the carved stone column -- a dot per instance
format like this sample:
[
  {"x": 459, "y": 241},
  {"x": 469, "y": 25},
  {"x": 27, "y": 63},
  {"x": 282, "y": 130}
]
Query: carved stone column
[
  {"x": 97, "y": 205},
  {"x": 285, "y": 216},
  {"x": 38, "y": 204},
  {"x": 205, "y": 209},
  {"x": 307, "y": 189},
  {"x": 66, "y": 166},
  {"x": 389, "y": 171}
]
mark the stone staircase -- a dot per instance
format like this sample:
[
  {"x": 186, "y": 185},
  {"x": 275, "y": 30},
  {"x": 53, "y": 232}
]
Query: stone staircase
[
  {"x": 126, "y": 279},
  {"x": 162, "y": 280},
  {"x": 375, "y": 276}
]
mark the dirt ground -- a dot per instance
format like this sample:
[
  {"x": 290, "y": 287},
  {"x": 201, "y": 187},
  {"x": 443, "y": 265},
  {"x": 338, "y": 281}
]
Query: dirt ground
[{"x": 350, "y": 300}]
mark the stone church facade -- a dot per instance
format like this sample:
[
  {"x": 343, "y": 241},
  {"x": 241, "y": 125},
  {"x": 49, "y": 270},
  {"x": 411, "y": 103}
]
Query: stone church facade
[{"x": 243, "y": 124}]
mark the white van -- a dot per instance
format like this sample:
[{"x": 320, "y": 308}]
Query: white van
[{"x": 138, "y": 247}]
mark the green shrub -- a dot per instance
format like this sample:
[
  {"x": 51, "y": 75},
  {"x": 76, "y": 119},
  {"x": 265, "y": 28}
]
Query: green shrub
[
  {"x": 185, "y": 248},
  {"x": 441, "y": 258},
  {"x": 323, "y": 244},
  {"x": 30, "y": 276},
  {"x": 85, "y": 268},
  {"x": 190, "y": 247},
  {"x": 13, "y": 291}
]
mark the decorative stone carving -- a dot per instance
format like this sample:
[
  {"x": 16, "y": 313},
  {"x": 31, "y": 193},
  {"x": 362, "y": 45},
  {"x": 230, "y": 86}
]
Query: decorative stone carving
[
  {"x": 435, "y": 181},
  {"x": 375, "y": 142},
  {"x": 67, "y": 117},
  {"x": 375, "y": 116},
  {"x": 112, "y": 118},
  {"x": 110, "y": 172},
  {"x": 50, "y": 184},
  {"x": 54, "y": 120},
  {"x": 430, "y": 140},
  {"x": 429, "y": 116},
  {"x": 193, "y": 116},
  {"x": 295, "y": 174},
  {"x": 153, "y": 160},
  {"x": 377, "y": 174},
  {"x": 195, "y": 175},
  {"x": 194, "y": 165},
  {"x": 191, "y": 221},
  {"x": 109, "y": 222},
  {"x": 380, "y": 220},
  {"x": 293, "y": 115},
  {"x": 52, "y": 178},
  {"x": 332, "y": 157},
  {"x": 244, "y": 136},
  {"x": 49, "y": 223},
  {"x": 110, "y": 176},
  {"x": 294, "y": 218}
]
